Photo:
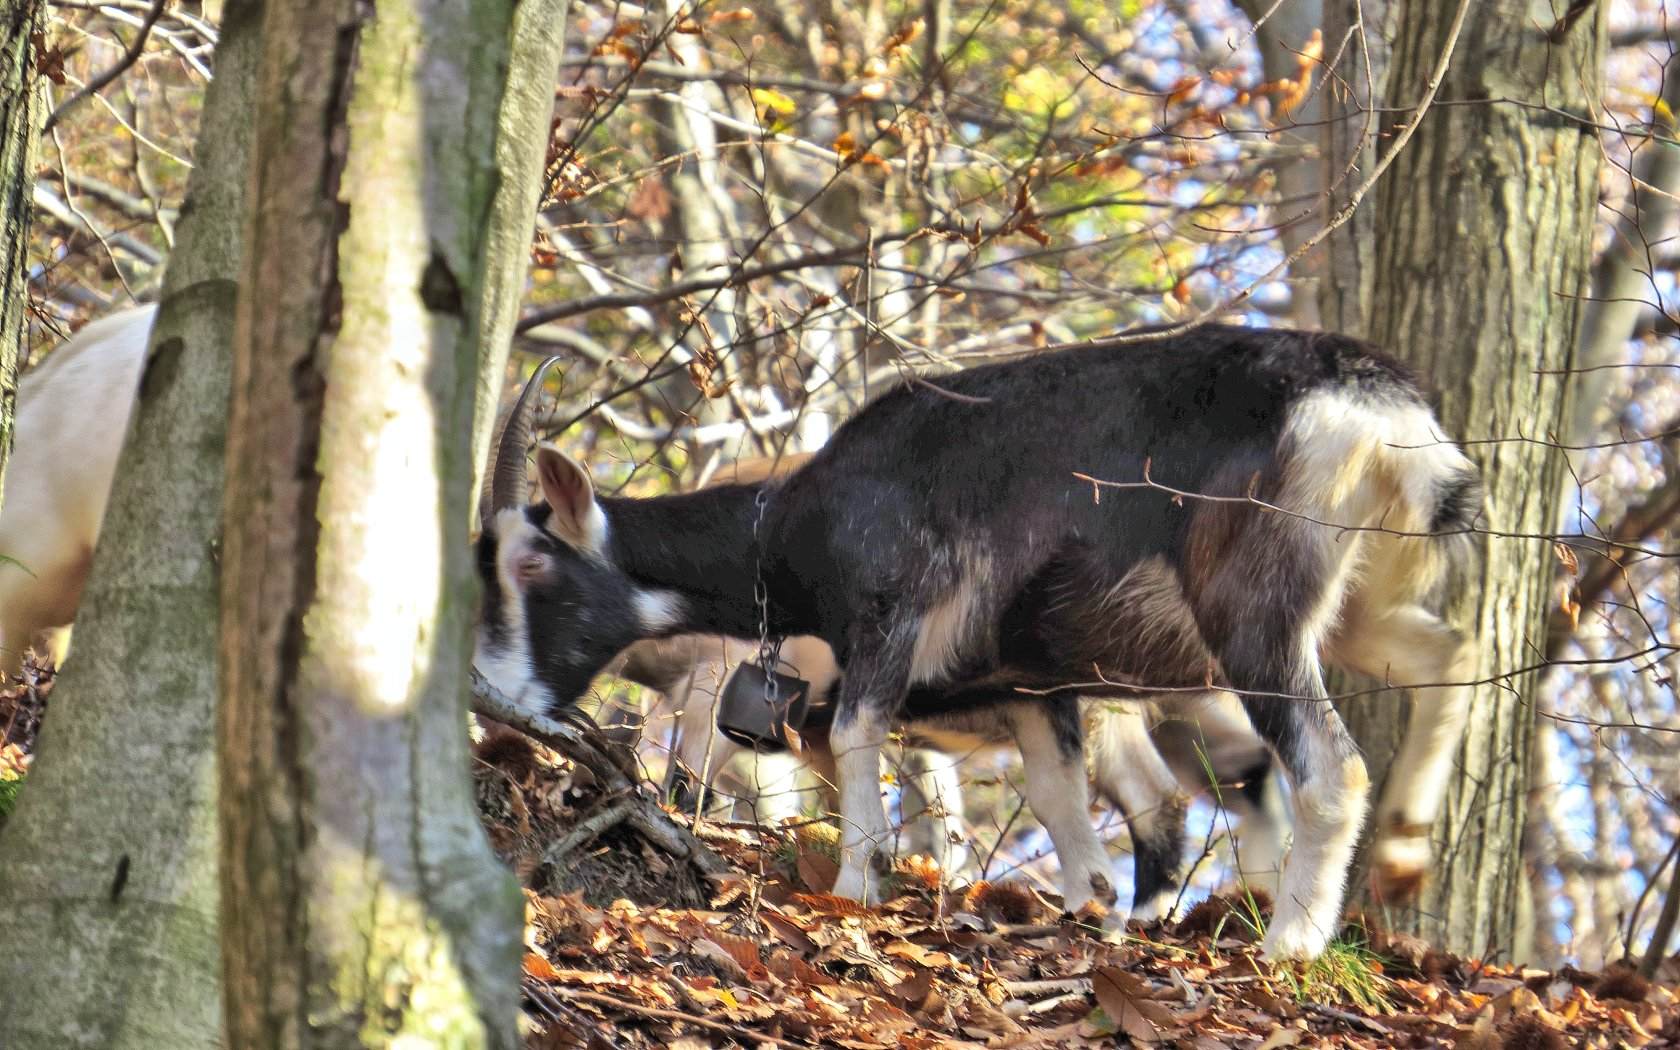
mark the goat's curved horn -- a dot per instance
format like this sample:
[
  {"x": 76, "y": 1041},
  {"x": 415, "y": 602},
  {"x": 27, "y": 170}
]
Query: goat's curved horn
[{"x": 506, "y": 484}]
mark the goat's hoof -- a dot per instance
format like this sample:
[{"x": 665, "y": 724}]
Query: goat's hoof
[
  {"x": 1156, "y": 908},
  {"x": 1398, "y": 867},
  {"x": 1114, "y": 923},
  {"x": 854, "y": 884},
  {"x": 1297, "y": 941}
]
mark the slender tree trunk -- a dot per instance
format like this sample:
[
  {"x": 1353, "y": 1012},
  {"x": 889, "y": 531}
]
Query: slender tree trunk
[
  {"x": 1624, "y": 279},
  {"x": 361, "y": 904},
  {"x": 1359, "y": 31},
  {"x": 539, "y": 43},
  {"x": 1483, "y": 243},
  {"x": 20, "y": 116},
  {"x": 1283, "y": 33},
  {"x": 107, "y": 911}
]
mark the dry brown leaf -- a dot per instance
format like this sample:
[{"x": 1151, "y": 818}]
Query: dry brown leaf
[
  {"x": 817, "y": 871},
  {"x": 1480, "y": 1035},
  {"x": 1282, "y": 1035},
  {"x": 744, "y": 953},
  {"x": 540, "y": 968},
  {"x": 1125, "y": 999}
]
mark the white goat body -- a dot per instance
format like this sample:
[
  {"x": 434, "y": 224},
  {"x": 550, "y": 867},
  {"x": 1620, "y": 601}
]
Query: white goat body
[{"x": 72, "y": 418}]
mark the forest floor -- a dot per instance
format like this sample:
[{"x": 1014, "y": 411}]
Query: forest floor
[
  {"x": 759, "y": 958},
  {"x": 766, "y": 959}
]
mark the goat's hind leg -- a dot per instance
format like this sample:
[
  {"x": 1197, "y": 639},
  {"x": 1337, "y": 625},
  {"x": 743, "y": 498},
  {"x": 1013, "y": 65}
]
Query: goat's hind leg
[
  {"x": 1051, "y": 739},
  {"x": 1130, "y": 773},
  {"x": 1329, "y": 809},
  {"x": 1409, "y": 646},
  {"x": 932, "y": 804}
]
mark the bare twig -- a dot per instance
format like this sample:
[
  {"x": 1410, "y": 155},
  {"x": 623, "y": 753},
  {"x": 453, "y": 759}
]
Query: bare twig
[
  {"x": 747, "y": 1035},
  {"x": 99, "y": 82},
  {"x": 570, "y": 740}
]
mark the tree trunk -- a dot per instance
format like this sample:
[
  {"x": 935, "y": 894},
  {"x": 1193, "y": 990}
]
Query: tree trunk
[
  {"x": 20, "y": 116},
  {"x": 361, "y": 904},
  {"x": 108, "y": 912},
  {"x": 1284, "y": 30},
  {"x": 1347, "y": 152},
  {"x": 1625, "y": 282},
  {"x": 1483, "y": 244},
  {"x": 527, "y": 109}
]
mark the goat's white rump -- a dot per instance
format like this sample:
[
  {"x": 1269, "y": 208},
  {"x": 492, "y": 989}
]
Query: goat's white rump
[{"x": 72, "y": 419}]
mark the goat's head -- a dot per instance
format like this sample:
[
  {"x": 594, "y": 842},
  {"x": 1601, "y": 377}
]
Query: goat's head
[{"x": 556, "y": 609}]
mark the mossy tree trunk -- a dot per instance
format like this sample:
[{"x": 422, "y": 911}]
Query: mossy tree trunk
[
  {"x": 108, "y": 868},
  {"x": 20, "y": 116},
  {"x": 361, "y": 904},
  {"x": 1481, "y": 254}
]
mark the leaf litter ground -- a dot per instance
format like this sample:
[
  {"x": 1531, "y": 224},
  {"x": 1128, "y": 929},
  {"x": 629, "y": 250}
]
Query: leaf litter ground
[
  {"x": 627, "y": 947},
  {"x": 767, "y": 959}
]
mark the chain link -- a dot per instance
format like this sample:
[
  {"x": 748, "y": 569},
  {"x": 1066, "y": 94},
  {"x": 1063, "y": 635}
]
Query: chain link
[{"x": 769, "y": 653}]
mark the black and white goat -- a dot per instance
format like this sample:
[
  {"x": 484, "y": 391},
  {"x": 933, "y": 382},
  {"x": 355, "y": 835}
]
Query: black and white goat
[
  {"x": 1143, "y": 762},
  {"x": 946, "y": 545},
  {"x": 72, "y": 415}
]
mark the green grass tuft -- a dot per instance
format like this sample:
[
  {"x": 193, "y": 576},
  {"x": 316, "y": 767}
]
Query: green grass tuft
[
  {"x": 1348, "y": 972},
  {"x": 8, "y": 796}
]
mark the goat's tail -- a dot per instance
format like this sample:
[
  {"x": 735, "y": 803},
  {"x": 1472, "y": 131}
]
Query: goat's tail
[{"x": 1380, "y": 463}]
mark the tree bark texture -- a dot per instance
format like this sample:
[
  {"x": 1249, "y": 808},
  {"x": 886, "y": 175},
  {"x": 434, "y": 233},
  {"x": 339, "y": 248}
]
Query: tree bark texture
[
  {"x": 1481, "y": 254},
  {"x": 1283, "y": 32},
  {"x": 1359, "y": 30},
  {"x": 20, "y": 117},
  {"x": 108, "y": 880},
  {"x": 361, "y": 903}
]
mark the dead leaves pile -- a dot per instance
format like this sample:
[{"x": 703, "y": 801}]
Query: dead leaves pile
[
  {"x": 21, "y": 708},
  {"x": 774, "y": 963}
]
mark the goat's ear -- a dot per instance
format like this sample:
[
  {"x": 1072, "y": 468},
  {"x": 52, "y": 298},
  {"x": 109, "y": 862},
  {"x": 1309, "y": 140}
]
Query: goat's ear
[{"x": 573, "y": 514}]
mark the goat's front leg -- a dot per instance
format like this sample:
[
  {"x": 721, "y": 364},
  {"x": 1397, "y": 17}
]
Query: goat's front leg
[
  {"x": 1051, "y": 739},
  {"x": 871, "y": 695}
]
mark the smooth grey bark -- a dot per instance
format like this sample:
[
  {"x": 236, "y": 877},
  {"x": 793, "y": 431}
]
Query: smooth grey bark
[
  {"x": 1481, "y": 255},
  {"x": 539, "y": 44},
  {"x": 1283, "y": 30},
  {"x": 108, "y": 868},
  {"x": 1623, "y": 282},
  {"x": 1361, "y": 30},
  {"x": 361, "y": 903},
  {"x": 20, "y": 117}
]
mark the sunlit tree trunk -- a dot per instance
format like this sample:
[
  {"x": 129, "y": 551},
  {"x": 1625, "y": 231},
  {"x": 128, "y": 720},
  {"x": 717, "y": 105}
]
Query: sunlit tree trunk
[
  {"x": 20, "y": 116},
  {"x": 1482, "y": 251},
  {"x": 108, "y": 868},
  {"x": 361, "y": 904}
]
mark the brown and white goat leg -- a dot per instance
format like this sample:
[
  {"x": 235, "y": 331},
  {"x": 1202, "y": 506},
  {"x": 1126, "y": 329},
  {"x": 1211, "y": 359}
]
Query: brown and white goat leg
[
  {"x": 1411, "y": 646},
  {"x": 930, "y": 802}
]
